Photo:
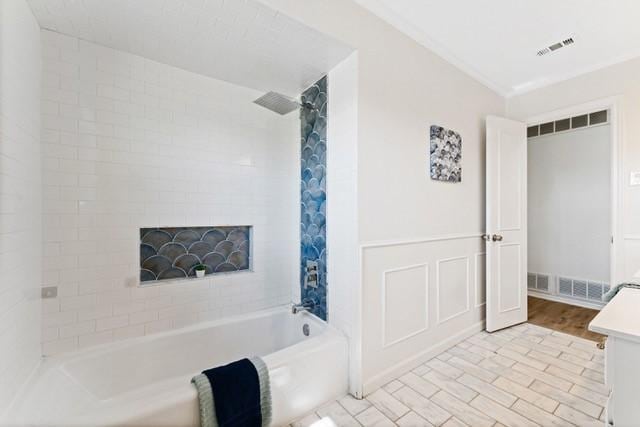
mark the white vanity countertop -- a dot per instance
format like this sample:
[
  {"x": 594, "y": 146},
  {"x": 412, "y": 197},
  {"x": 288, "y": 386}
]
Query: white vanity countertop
[{"x": 620, "y": 317}]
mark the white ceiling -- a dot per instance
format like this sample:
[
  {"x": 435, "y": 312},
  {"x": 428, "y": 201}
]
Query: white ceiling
[
  {"x": 496, "y": 41},
  {"x": 240, "y": 41}
]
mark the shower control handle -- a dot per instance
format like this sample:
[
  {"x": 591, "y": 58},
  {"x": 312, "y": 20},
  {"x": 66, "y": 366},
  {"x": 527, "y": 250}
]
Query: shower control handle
[{"x": 496, "y": 238}]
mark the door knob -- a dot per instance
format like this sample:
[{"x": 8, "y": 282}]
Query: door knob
[
  {"x": 485, "y": 237},
  {"x": 496, "y": 238}
]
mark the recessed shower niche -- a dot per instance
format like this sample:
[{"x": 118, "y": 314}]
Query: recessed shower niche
[{"x": 175, "y": 252}]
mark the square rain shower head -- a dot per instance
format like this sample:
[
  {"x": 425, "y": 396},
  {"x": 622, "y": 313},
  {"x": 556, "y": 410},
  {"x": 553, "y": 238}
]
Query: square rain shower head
[{"x": 278, "y": 103}]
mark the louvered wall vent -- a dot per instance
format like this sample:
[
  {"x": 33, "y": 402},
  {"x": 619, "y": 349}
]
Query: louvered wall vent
[
  {"x": 555, "y": 46},
  {"x": 569, "y": 123},
  {"x": 581, "y": 289},
  {"x": 538, "y": 282}
]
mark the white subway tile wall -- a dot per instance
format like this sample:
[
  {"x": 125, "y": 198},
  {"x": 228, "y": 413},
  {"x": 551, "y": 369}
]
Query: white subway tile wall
[
  {"x": 20, "y": 197},
  {"x": 131, "y": 143}
]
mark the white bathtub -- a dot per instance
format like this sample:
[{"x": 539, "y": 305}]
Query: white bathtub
[{"x": 146, "y": 381}]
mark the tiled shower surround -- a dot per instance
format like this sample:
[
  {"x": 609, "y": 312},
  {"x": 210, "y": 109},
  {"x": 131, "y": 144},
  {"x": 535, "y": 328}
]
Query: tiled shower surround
[
  {"x": 174, "y": 253},
  {"x": 20, "y": 197},
  {"x": 130, "y": 143},
  {"x": 313, "y": 232}
]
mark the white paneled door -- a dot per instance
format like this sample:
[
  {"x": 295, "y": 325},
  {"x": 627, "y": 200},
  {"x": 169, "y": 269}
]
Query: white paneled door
[{"x": 506, "y": 228}]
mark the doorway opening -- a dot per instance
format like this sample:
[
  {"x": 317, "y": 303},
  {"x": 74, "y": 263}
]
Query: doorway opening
[{"x": 570, "y": 218}]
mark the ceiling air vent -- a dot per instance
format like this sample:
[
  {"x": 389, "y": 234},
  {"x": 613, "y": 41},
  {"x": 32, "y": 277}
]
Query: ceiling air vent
[
  {"x": 543, "y": 51},
  {"x": 555, "y": 46}
]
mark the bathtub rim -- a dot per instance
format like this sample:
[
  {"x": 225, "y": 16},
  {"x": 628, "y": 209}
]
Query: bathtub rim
[
  {"x": 273, "y": 360},
  {"x": 126, "y": 342}
]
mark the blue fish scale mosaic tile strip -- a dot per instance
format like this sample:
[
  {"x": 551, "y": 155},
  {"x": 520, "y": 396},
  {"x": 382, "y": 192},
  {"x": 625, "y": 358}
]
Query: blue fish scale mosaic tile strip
[
  {"x": 313, "y": 193},
  {"x": 173, "y": 253}
]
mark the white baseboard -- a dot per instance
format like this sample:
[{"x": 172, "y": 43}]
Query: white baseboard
[
  {"x": 406, "y": 365},
  {"x": 570, "y": 301}
]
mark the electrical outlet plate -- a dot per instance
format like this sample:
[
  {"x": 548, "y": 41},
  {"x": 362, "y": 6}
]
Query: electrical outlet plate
[
  {"x": 49, "y": 292},
  {"x": 634, "y": 178}
]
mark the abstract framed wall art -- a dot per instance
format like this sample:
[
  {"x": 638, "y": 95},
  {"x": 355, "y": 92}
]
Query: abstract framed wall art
[{"x": 445, "y": 154}]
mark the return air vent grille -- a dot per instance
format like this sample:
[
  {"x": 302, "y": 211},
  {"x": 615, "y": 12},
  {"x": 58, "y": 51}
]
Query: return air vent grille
[
  {"x": 598, "y": 117},
  {"x": 547, "y": 128},
  {"x": 569, "y": 123},
  {"x": 538, "y": 282},
  {"x": 565, "y": 286},
  {"x": 579, "y": 289},
  {"x": 543, "y": 282},
  {"x": 562, "y": 125},
  {"x": 596, "y": 290},
  {"x": 579, "y": 121},
  {"x": 555, "y": 46},
  {"x": 582, "y": 289}
]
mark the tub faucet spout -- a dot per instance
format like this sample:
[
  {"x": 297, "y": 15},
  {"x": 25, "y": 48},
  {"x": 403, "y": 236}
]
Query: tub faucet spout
[{"x": 305, "y": 306}]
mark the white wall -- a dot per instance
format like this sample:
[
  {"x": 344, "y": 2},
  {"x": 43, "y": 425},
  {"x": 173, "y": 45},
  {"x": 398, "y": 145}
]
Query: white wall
[
  {"x": 569, "y": 204},
  {"x": 620, "y": 81},
  {"x": 132, "y": 143},
  {"x": 343, "y": 260},
  {"x": 20, "y": 196},
  {"x": 402, "y": 89}
]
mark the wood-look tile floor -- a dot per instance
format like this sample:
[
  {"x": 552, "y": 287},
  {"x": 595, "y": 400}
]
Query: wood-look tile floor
[
  {"x": 518, "y": 377},
  {"x": 566, "y": 318}
]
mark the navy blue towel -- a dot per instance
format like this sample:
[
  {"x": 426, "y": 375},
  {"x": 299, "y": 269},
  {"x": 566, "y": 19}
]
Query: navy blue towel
[{"x": 236, "y": 394}]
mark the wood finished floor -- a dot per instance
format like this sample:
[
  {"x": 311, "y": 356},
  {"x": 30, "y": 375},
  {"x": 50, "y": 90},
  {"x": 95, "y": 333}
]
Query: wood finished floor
[
  {"x": 566, "y": 318},
  {"x": 523, "y": 376}
]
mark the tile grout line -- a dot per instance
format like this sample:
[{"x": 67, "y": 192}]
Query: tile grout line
[{"x": 469, "y": 355}]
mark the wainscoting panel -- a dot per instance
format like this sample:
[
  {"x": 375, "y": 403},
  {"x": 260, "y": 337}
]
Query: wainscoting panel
[
  {"x": 509, "y": 277},
  {"x": 509, "y": 213},
  {"x": 405, "y": 298},
  {"x": 416, "y": 295},
  {"x": 452, "y": 286},
  {"x": 480, "y": 279},
  {"x": 630, "y": 258}
]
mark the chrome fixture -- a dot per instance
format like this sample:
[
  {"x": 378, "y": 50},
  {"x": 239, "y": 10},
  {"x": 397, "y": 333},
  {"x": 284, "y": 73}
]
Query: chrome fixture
[
  {"x": 281, "y": 104},
  {"x": 496, "y": 238},
  {"x": 311, "y": 274},
  {"x": 305, "y": 306}
]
